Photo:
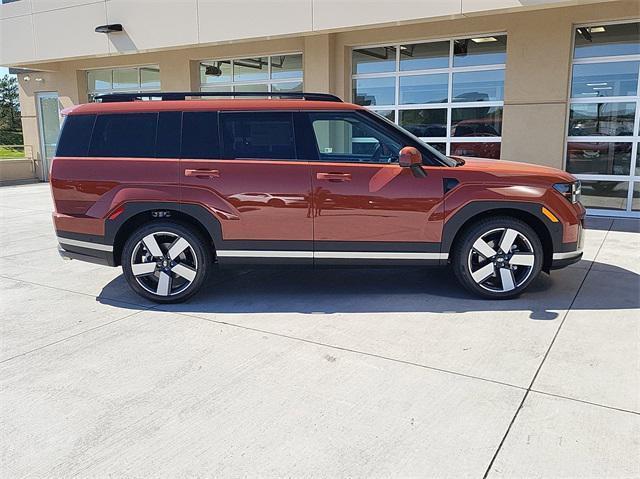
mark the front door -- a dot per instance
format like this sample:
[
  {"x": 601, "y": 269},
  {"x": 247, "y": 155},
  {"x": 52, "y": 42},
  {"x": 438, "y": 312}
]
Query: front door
[
  {"x": 368, "y": 209},
  {"x": 48, "y": 127},
  {"x": 253, "y": 183}
]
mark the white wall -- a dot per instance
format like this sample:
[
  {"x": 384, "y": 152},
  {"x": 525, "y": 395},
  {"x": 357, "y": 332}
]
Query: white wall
[{"x": 44, "y": 30}]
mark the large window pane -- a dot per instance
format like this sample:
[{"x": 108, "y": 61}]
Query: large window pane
[
  {"x": 286, "y": 66},
  {"x": 126, "y": 78},
  {"x": 215, "y": 72},
  {"x": 478, "y": 86},
  {"x": 425, "y": 122},
  {"x": 605, "y": 79},
  {"x": 635, "y": 204},
  {"x": 295, "y": 86},
  {"x": 374, "y": 60},
  {"x": 599, "y": 158},
  {"x": 388, "y": 114},
  {"x": 479, "y": 150},
  {"x": 149, "y": 77},
  {"x": 480, "y": 51},
  {"x": 478, "y": 121},
  {"x": 423, "y": 56},
  {"x": 441, "y": 147},
  {"x": 250, "y": 69},
  {"x": 601, "y": 119},
  {"x": 374, "y": 91},
  {"x": 609, "y": 195},
  {"x": 417, "y": 89},
  {"x": 607, "y": 40},
  {"x": 253, "y": 87},
  {"x": 99, "y": 80}
]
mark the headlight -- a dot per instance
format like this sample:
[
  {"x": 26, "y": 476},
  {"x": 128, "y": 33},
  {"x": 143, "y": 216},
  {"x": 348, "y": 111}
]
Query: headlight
[{"x": 571, "y": 191}]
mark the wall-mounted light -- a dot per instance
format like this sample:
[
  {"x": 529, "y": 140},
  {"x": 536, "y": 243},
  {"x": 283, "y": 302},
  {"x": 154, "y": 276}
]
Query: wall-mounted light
[{"x": 110, "y": 28}]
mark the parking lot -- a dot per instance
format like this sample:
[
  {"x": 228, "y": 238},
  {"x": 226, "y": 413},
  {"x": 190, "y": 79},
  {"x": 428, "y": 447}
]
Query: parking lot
[{"x": 322, "y": 373}]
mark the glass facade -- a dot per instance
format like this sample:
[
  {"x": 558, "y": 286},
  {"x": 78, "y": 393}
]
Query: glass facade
[
  {"x": 275, "y": 73},
  {"x": 603, "y": 117},
  {"x": 123, "y": 80},
  {"x": 449, "y": 93}
]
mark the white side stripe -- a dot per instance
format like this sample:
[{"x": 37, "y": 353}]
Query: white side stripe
[
  {"x": 329, "y": 254},
  {"x": 264, "y": 254},
  {"x": 85, "y": 244}
]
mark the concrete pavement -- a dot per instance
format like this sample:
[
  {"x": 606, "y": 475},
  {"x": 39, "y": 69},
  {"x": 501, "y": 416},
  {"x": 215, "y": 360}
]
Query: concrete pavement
[{"x": 324, "y": 374}]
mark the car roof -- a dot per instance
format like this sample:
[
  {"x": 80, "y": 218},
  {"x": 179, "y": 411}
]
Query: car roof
[{"x": 206, "y": 105}]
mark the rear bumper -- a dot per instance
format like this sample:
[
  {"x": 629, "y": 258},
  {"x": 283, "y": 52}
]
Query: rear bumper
[{"x": 83, "y": 250}]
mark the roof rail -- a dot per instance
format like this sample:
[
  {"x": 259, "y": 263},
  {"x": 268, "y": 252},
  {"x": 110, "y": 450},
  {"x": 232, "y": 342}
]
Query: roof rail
[{"x": 182, "y": 95}]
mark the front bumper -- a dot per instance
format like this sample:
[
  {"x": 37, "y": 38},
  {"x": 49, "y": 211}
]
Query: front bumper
[{"x": 571, "y": 252}]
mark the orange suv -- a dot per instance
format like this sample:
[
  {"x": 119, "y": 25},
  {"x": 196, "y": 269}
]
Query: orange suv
[{"x": 171, "y": 187}]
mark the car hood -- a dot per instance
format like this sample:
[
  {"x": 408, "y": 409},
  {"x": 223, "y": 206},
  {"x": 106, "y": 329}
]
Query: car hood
[{"x": 515, "y": 169}]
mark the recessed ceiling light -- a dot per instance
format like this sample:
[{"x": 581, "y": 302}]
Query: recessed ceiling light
[
  {"x": 484, "y": 39},
  {"x": 597, "y": 29}
]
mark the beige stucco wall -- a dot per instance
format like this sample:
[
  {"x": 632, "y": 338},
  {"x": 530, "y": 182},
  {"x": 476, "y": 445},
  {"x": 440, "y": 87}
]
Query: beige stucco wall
[{"x": 536, "y": 84}]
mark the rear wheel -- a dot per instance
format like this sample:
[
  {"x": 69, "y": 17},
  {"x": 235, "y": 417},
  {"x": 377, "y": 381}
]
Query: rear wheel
[
  {"x": 498, "y": 258},
  {"x": 166, "y": 262}
]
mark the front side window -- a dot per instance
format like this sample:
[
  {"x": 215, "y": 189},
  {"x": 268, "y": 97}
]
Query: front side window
[
  {"x": 258, "y": 135},
  {"x": 448, "y": 93},
  {"x": 348, "y": 137},
  {"x": 602, "y": 131}
]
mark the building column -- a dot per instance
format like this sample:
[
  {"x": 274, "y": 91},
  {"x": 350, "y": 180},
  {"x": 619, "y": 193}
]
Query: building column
[
  {"x": 318, "y": 57},
  {"x": 536, "y": 88},
  {"x": 178, "y": 72}
]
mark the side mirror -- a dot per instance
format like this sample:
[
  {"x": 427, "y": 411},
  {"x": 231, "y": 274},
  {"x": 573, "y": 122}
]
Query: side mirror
[{"x": 410, "y": 156}]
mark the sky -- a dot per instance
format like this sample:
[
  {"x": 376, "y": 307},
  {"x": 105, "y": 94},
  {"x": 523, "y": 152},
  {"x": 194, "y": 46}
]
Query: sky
[{"x": 3, "y": 71}]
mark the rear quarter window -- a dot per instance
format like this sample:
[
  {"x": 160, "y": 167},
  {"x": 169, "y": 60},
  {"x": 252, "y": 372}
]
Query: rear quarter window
[
  {"x": 75, "y": 135},
  {"x": 124, "y": 135}
]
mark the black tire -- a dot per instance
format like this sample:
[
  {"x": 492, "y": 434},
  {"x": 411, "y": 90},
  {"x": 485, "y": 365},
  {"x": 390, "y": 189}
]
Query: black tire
[
  {"x": 194, "y": 262},
  {"x": 512, "y": 272}
]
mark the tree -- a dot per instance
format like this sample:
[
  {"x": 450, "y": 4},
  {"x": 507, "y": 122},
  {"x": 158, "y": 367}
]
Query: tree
[{"x": 10, "y": 124}]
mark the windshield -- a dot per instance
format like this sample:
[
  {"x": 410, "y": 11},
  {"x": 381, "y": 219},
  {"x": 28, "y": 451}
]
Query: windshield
[{"x": 432, "y": 151}]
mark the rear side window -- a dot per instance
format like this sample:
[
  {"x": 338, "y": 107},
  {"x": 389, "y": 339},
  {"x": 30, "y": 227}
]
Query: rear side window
[
  {"x": 124, "y": 135},
  {"x": 258, "y": 135},
  {"x": 200, "y": 135},
  {"x": 75, "y": 135}
]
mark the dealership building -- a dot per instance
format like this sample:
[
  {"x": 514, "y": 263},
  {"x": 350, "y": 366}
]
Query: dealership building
[{"x": 540, "y": 81}]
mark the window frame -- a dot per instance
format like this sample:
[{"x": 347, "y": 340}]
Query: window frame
[
  {"x": 632, "y": 178},
  {"x": 450, "y": 70},
  {"x": 269, "y": 81},
  {"x": 92, "y": 93}
]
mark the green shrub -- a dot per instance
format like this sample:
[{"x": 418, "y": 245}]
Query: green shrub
[{"x": 10, "y": 137}]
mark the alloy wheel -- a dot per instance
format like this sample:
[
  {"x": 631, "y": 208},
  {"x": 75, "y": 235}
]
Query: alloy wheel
[
  {"x": 164, "y": 263},
  {"x": 501, "y": 260}
]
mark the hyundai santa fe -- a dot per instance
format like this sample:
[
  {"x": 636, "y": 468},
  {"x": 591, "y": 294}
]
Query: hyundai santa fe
[{"x": 173, "y": 187}]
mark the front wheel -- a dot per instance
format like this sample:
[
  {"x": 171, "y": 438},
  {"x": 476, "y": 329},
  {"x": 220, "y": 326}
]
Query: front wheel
[
  {"x": 166, "y": 262},
  {"x": 498, "y": 258}
]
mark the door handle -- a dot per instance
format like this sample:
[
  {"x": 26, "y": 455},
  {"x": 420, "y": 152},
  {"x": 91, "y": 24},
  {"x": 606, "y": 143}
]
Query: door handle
[
  {"x": 202, "y": 173},
  {"x": 334, "y": 176}
]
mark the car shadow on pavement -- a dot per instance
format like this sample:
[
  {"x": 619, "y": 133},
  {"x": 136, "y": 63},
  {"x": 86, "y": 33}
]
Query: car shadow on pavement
[{"x": 418, "y": 290}]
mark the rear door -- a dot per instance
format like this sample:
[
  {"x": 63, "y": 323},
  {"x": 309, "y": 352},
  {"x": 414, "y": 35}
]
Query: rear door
[
  {"x": 367, "y": 209},
  {"x": 243, "y": 167}
]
